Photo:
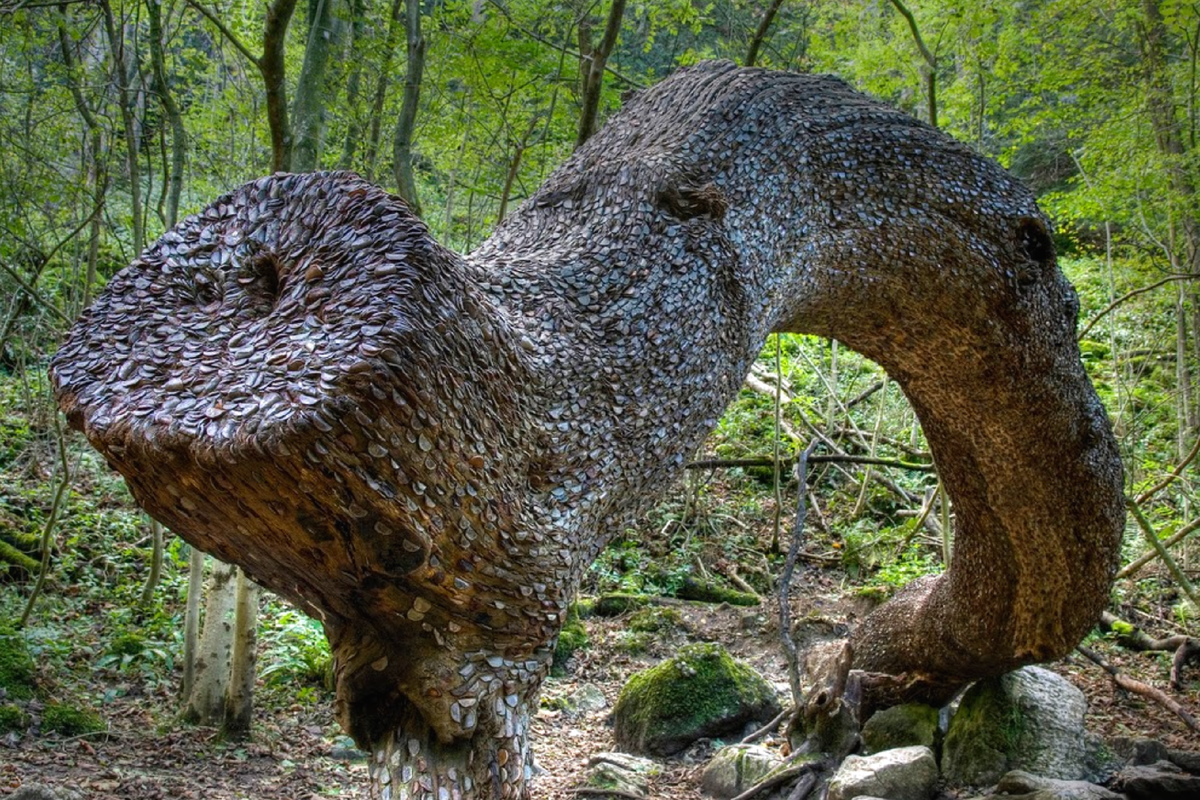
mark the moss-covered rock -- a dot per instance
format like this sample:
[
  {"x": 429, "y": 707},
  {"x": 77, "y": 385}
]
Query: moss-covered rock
[
  {"x": 16, "y": 665},
  {"x": 70, "y": 720},
  {"x": 12, "y": 718},
  {"x": 1030, "y": 719},
  {"x": 901, "y": 726},
  {"x": 701, "y": 692},
  {"x": 708, "y": 592}
]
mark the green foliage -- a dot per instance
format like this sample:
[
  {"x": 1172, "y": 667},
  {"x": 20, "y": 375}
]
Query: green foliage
[
  {"x": 70, "y": 720},
  {"x": 296, "y": 651}
]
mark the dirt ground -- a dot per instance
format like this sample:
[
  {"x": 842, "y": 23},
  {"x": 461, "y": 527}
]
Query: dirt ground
[{"x": 298, "y": 753}]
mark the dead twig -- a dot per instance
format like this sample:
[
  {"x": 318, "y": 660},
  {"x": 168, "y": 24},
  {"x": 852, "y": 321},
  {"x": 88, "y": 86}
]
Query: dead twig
[
  {"x": 764, "y": 730},
  {"x": 1137, "y": 687}
]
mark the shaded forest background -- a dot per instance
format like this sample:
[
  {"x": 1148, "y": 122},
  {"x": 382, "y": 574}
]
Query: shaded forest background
[{"x": 117, "y": 117}]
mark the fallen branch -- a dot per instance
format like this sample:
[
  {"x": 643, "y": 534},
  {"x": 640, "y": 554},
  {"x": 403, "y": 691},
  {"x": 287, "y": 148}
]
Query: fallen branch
[
  {"x": 1151, "y": 536},
  {"x": 1137, "y": 687},
  {"x": 724, "y": 463},
  {"x": 1175, "y": 473},
  {"x": 765, "y": 729},
  {"x": 1129, "y": 635},
  {"x": 1175, "y": 538}
]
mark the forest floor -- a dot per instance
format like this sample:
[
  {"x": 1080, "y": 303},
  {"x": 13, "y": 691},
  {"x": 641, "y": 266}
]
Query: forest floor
[{"x": 297, "y": 752}]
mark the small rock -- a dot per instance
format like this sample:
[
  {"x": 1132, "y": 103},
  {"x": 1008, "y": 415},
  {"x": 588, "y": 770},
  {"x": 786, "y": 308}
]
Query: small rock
[
  {"x": 735, "y": 769},
  {"x": 620, "y": 772},
  {"x": 343, "y": 749},
  {"x": 586, "y": 699},
  {"x": 901, "y": 726},
  {"x": 906, "y": 773},
  {"x": 1140, "y": 752},
  {"x": 1159, "y": 781},
  {"x": 1018, "y": 782}
]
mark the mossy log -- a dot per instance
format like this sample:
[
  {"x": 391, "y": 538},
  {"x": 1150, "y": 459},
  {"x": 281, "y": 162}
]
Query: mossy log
[{"x": 426, "y": 450}]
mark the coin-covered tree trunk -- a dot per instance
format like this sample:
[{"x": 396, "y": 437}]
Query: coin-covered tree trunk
[{"x": 425, "y": 450}]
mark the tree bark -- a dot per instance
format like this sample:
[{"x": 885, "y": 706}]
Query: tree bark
[
  {"x": 205, "y": 704},
  {"x": 191, "y": 623},
  {"x": 239, "y": 692},
  {"x": 425, "y": 450},
  {"x": 402, "y": 166}
]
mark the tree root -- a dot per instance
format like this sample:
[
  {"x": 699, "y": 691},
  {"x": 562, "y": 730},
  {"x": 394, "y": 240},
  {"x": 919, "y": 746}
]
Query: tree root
[
  {"x": 807, "y": 782},
  {"x": 1129, "y": 635},
  {"x": 1137, "y": 687}
]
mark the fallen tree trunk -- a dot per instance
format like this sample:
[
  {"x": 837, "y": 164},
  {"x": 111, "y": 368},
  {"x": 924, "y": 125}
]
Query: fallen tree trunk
[{"x": 426, "y": 450}]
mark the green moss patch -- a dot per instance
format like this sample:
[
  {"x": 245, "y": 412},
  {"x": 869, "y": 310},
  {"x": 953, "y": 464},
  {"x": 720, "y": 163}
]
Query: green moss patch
[
  {"x": 574, "y": 636},
  {"x": 654, "y": 620},
  {"x": 12, "y": 718},
  {"x": 708, "y": 592},
  {"x": 614, "y": 605},
  {"x": 70, "y": 720},
  {"x": 702, "y": 692},
  {"x": 16, "y": 665}
]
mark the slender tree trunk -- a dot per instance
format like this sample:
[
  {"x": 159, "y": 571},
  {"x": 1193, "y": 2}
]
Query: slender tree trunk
[
  {"x": 354, "y": 129},
  {"x": 760, "y": 33},
  {"x": 592, "y": 60},
  {"x": 239, "y": 694},
  {"x": 402, "y": 167},
  {"x": 191, "y": 621},
  {"x": 171, "y": 109},
  {"x": 375, "y": 122},
  {"x": 1168, "y": 136},
  {"x": 931, "y": 63},
  {"x": 205, "y": 703},
  {"x": 125, "y": 102},
  {"x": 309, "y": 103},
  {"x": 274, "y": 74},
  {"x": 97, "y": 176},
  {"x": 156, "y": 559}
]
